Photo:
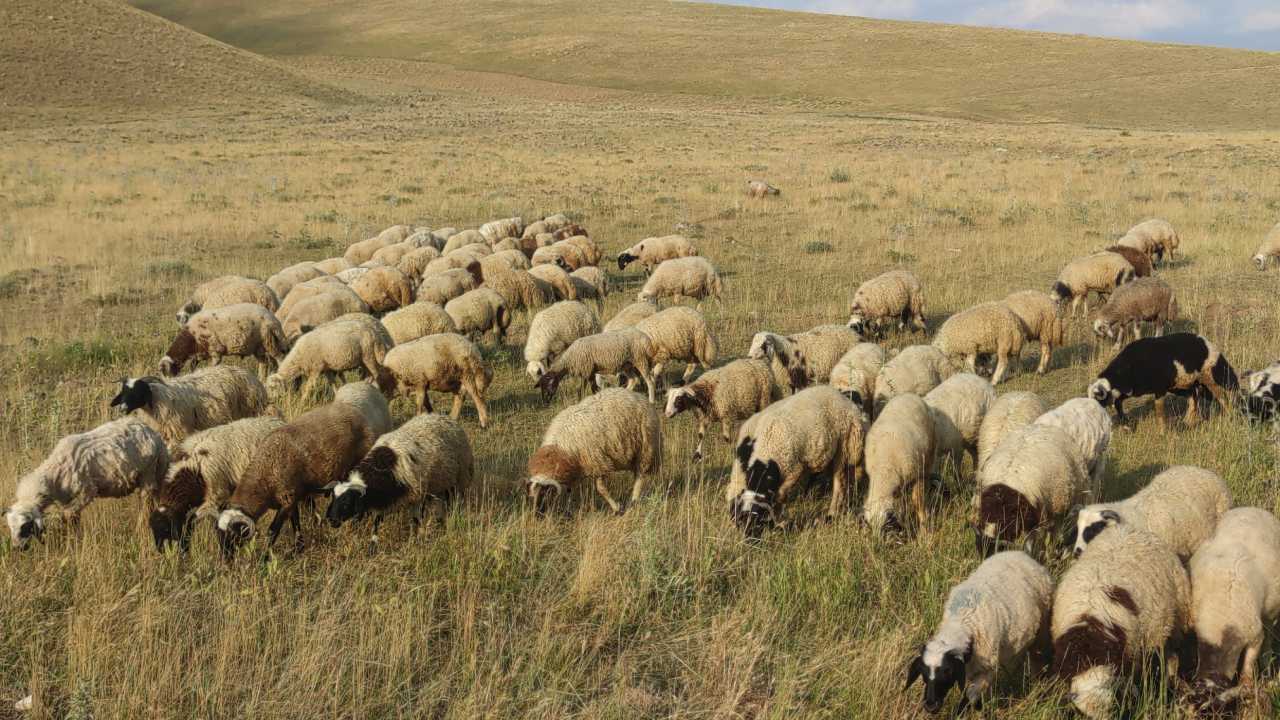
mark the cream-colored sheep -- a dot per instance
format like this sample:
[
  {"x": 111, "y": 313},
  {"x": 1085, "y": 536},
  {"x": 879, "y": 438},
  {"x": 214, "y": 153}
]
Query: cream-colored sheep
[
  {"x": 917, "y": 369},
  {"x": 687, "y": 277},
  {"x": 414, "y": 263},
  {"x": 520, "y": 289},
  {"x": 958, "y": 407},
  {"x": 855, "y": 373},
  {"x": 1270, "y": 248},
  {"x": 495, "y": 230},
  {"x": 452, "y": 261},
  {"x": 1156, "y": 237},
  {"x": 727, "y": 395},
  {"x": 1147, "y": 299},
  {"x": 331, "y": 349},
  {"x": 1009, "y": 412},
  {"x": 417, "y": 320},
  {"x": 901, "y": 454},
  {"x": 594, "y": 278},
  {"x": 1140, "y": 261},
  {"x": 806, "y": 357},
  {"x": 196, "y": 401},
  {"x": 591, "y": 252},
  {"x": 442, "y": 288},
  {"x": 311, "y": 288},
  {"x": 553, "y": 330},
  {"x": 1040, "y": 321},
  {"x": 1031, "y": 480},
  {"x": 621, "y": 352},
  {"x": 228, "y": 290},
  {"x": 558, "y": 278},
  {"x": 462, "y": 239},
  {"x": 446, "y": 362},
  {"x": 363, "y": 250},
  {"x": 318, "y": 310},
  {"x": 392, "y": 254},
  {"x": 351, "y": 275},
  {"x": 1088, "y": 424},
  {"x": 679, "y": 334},
  {"x": 630, "y": 315},
  {"x": 505, "y": 260},
  {"x": 478, "y": 311},
  {"x": 244, "y": 330},
  {"x": 1100, "y": 272},
  {"x": 987, "y": 329},
  {"x": 653, "y": 251},
  {"x": 568, "y": 257},
  {"x": 333, "y": 265},
  {"x": 384, "y": 289},
  {"x": 892, "y": 297},
  {"x": 760, "y": 189},
  {"x": 282, "y": 282}
]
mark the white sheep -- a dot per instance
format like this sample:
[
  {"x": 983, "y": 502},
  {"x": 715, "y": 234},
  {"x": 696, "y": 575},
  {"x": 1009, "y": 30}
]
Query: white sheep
[
  {"x": 282, "y": 282},
  {"x": 350, "y": 275},
  {"x": 415, "y": 262},
  {"x": 630, "y": 315},
  {"x": 498, "y": 229},
  {"x": 917, "y": 369},
  {"x": 333, "y": 265},
  {"x": 1088, "y": 424},
  {"x": 196, "y": 401},
  {"x": 311, "y": 288},
  {"x": 417, "y": 320},
  {"x": 1008, "y": 413},
  {"x": 363, "y": 250},
  {"x": 621, "y": 352},
  {"x": 112, "y": 460},
  {"x": 1270, "y": 248},
  {"x": 446, "y": 362},
  {"x": 692, "y": 277},
  {"x": 243, "y": 330},
  {"x": 727, "y": 395},
  {"x": 761, "y": 189},
  {"x": 553, "y": 330},
  {"x": 591, "y": 282},
  {"x": 901, "y": 451},
  {"x": 333, "y": 348},
  {"x": 1181, "y": 506},
  {"x": 894, "y": 296},
  {"x": 1147, "y": 299},
  {"x": 650, "y": 252},
  {"x": 443, "y": 287},
  {"x": 987, "y": 329},
  {"x": 317, "y": 310},
  {"x": 806, "y": 357},
  {"x": 520, "y": 289},
  {"x": 558, "y": 278},
  {"x": 392, "y": 254},
  {"x": 384, "y": 289},
  {"x": 679, "y": 334},
  {"x": 1101, "y": 272},
  {"x": 478, "y": 311},
  {"x": 1155, "y": 237},
  {"x": 958, "y": 407},
  {"x": 228, "y": 290},
  {"x": 612, "y": 431},
  {"x": 461, "y": 239},
  {"x": 1041, "y": 321},
  {"x": 855, "y": 374}
]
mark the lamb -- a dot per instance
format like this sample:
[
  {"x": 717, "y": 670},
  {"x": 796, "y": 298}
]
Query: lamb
[
  {"x": 417, "y": 320},
  {"x": 1180, "y": 363},
  {"x": 917, "y": 369},
  {"x": 442, "y": 288},
  {"x": 335, "y": 347},
  {"x": 612, "y": 431},
  {"x": 815, "y": 432},
  {"x": 628, "y": 352},
  {"x": 679, "y": 334},
  {"x": 999, "y": 613},
  {"x": 478, "y": 311},
  {"x": 415, "y": 262},
  {"x": 203, "y": 472},
  {"x": 333, "y": 265},
  {"x": 429, "y": 457},
  {"x": 1008, "y": 413},
  {"x": 196, "y": 401},
  {"x": 553, "y": 330},
  {"x": 630, "y": 315},
  {"x": 1034, "y": 476},
  {"x": 558, "y": 278},
  {"x": 958, "y": 407},
  {"x": 805, "y": 357},
  {"x": 498, "y": 229},
  {"x": 520, "y": 289},
  {"x": 1040, "y": 321},
  {"x": 894, "y": 296},
  {"x": 727, "y": 395},
  {"x": 1100, "y": 272},
  {"x": 384, "y": 289},
  {"x": 304, "y": 457},
  {"x": 1127, "y": 598},
  {"x": 1180, "y": 506},
  {"x": 320, "y": 309},
  {"x": 282, "y": 282},
  {"x": 1235, "y": 595},
  {"x": 760, "y": 188},
  {"x": 243, "y": 330},
  {"x": 653, "y": 251},
  {"x": 228, "y": 290},
  {"x": 446, "y": 362},
  {"x": 1089, "y": 427},
  {"x": 901, "y": 453},
  {"x": 1145, "y": 299},
  {"x": 855, "y": 373},
  {"x": 109, "y": 461},
  {"x": 1140, "y": 261},
  {"x": 987, "y": 329},
  {"x": 692, "y": 277},
  {"x": 1155, "y": 237},
  {"x": 1270, "y": 248}
]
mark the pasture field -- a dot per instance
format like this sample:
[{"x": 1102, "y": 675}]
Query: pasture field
[{"x": 665, "y": 611}]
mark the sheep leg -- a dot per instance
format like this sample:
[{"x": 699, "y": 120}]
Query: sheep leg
[
  {"x": 703, "y": 422},
  {"x": 637, "y": 488},
  {"x": 1193, "y": 412},
  {"x": 456, "y": 411},
  {"x": 657, "y": 371},
  {"x": 277, "y": 523},
  {"x": 1075, "y": 303},
  {"x": 1249, "y": 667},
  {"x": 839, "y": 490},
  {"x": 1002, "y": 366},
  {"x": 1137, "y": 330},
  {"x": 688, "y": 373},
  {"x": 1160, "y": 414},
  {"x": 972, "y": 362},
  {"x": 603, "y": 489},
  {"x": 593, "y": 384},
  {"x": 295, "y": 522},
  {"x": 1046, "y": 350},
  {"x": 649, "y": 383},
  {"x": 917, "y": 504},
  {"x": 481, "y": 409}
]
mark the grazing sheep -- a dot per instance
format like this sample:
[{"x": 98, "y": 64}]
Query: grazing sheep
[
  {"x": 196, "y": 401},
  {"x": 424, "y": 238},
  {"x": 1040, "y": 321},
  {"x": 855, "y": 373},
  {"x": 429, "y": 457},
  {"x": 653, "y": 251},
  {"x": 628, "y": 352},
  {"x": 309, "y": 289},
  {"x": 333, "y": 265},
  {"x": 109, "y": 461},
  {"x": 462, "y": 239},
  {"x": 1235, "y": 596},
  {"x": 320, "y": 309},
  {"x": 1100, "y": 272},
  {"x": 494, "y": 231},
  {"x": 1140, "y": 261},
  {"x": 1145, "y": 299},
  {"x": 679, "y": 334},
  {"x": 384, "y": 289},
  {"x": 351, "y": 275},
  {"x": 417, "y": 320},
  {"x": 958, "y": 407},
  {"x": 362, "y": 251},
  {"x": 1179, "y": 363},
  {"x": 558, "y": 278},
  {"x": 1262, "y": 393},
  {"x": 243, "y": 330},
  {"x": 591, "y": 252},
  {"x": 452, "y": 261},
  {"x": 917, "y": 369},
  {"x": 989, "y": 622},
  {"x": 553, "y": 330},
  {"x": 446, "y": 362},
  {"x": 591, "y": 282},
  {"x": 1031, "y": 480},
  {"x": 521, "y": 290},
  {"x": 1155, "y": 237},
  {"x": 479, "y": 250},
  {"x": 612, "y": 431},
  {"x": 1269, "y": 248},
  {"x": 333, "y": 348},
  {"x": 901, "y": 453},
  {"x": 760, "y": 188},
  {"x": 392, "y": 254},
  {"x": 415, "y": 262},
  {"x": 1180, "y": 506},
  {"x": 442, "y": 235},
  {"x": 692, "y": 277},
  {"x": 478, "y": 311},
  {"x": 395, "y": 234},
  {"x": 228, "y": 290},
  {"x": 805, "y": 357},
  {"x": 505, "y": 260},
  {"x": 894, "y": 296},
  {"x": 442, "y": 288},
  {"x": 313, "y": 452},
  {"x": 987, "y": 329},
  {"x": 282, "y": 282},
  {"x": 203, "y": 472},
  {"x": 1124, "y": 600},
  {"x": 568, "y": 257},
  {"x": 1089, "y": 427},
  {"x": 1008, "y": 413},
  {"x": 815, "y": 432},
  {"x": 727, "y": 395},
  {"x": 630, "y": 315}
]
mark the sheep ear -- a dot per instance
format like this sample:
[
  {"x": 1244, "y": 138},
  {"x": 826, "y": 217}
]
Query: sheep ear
[
  {"x": 1111, "y": 516},
  {"x": 914, "y": 671},
  {"x": 329, "y": 488},
  {"x": 206, "y": 512}
]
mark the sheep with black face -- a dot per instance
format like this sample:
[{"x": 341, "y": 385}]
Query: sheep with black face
[
  {"x": 1180, "y": 364},
  {"x": 196, "y": 401}
]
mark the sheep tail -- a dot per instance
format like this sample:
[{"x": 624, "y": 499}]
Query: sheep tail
[
  {"x": 709, "y": 349},
  {"x": 1224, "y": 376}
]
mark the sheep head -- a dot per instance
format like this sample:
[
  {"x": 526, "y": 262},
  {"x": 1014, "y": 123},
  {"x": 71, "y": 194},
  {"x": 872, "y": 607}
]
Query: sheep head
[
  {"x": 235, "y": 528},
  {"x": 24, "y": 525},
  {"x": 134, "y": 393}
]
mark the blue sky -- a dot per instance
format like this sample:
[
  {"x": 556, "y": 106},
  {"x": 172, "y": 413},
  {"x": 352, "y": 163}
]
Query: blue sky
[{"x": 1251, "y": 24}]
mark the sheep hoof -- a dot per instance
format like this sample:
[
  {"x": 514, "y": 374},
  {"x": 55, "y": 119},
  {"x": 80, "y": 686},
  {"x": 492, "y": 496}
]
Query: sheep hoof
[{"x": 25, "y": 704}]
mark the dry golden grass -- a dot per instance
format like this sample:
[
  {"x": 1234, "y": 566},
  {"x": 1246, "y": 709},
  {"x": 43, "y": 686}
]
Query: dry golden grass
[{"x": 666, "y": 611}]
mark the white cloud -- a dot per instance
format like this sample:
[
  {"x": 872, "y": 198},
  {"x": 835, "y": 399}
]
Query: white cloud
[
  {"x": 1127, "y": 18},
  {"x": 1260, "y": 21}
]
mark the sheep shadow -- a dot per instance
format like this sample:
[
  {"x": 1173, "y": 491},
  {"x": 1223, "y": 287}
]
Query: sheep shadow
[{"x": 1119, "y": 487}]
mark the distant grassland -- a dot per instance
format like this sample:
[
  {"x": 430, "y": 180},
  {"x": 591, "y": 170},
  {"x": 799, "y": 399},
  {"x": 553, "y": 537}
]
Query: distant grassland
[{"x": 666, "y": 611}]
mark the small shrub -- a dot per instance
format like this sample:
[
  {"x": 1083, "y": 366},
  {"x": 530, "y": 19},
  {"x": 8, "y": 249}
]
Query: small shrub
[
  {"x": 664, "y": 200},
  {"x": 12, "y": 283},
  {"x": 412, "y": 189},
  {"x": 840, "y": 175},
  {"x": 325, "y": 216},
  {"x": 818, "y": 247},
  {"x": 172, "y": 269},
  {"x": 901, "y": 257}
]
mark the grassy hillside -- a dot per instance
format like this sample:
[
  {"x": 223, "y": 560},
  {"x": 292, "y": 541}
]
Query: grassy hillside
[{"x": 868, "y": 65}]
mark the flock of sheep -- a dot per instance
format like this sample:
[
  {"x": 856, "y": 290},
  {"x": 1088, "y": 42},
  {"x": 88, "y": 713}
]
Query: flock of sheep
[{"x": 407, "y": 308}]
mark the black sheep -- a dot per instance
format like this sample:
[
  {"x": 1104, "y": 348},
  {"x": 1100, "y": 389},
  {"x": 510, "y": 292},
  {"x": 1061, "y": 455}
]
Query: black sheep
[{"x": 1182, "y": 364}]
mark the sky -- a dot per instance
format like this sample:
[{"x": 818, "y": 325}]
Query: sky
[{"x": 1253, "y": 24}]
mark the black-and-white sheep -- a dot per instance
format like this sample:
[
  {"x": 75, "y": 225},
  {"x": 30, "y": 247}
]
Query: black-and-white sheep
[{"x": 1179, "y": 364}]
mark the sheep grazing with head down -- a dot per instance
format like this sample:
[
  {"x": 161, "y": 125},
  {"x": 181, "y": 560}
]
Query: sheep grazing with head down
[
  {"x": 414, "y": 263},
  {"x": 1261, "y": 402},
  {"x": 445, "y": 286},
  {"x": 282, "y": 282},
  {"x": 112, "y": 460},
  {"x": 311, "y": 288},
  {"x": 244, "y": 330},
  {"x": 917, "y": 369},
  {"x": 1008, "y": 413},
  {"x": 558, "y": 278},
  {"x": 958, "y": 407},
  {"x": 991, "y": 620},
  {"x": 347, "y": 343},
  {"x": 621, "y": 352},
  {"x": 855, "y": 373},
  {"x": 1126, "y": 599},
  {"x": 590, "y": 283},
  {"x": 805, "y": 357},
  {"x": 892, "y": 297},
  {"x": 384, "y": 289},
  {"x": 228, "y": 290},
  {"x": 1089, "y": 427},
  {"x": 1101, "y": 272},
  {"x": 1143, "y": 300},
  {"x": 1140, "y": 261},
  {"x": 1040, "y": 321},
  {"x": 478, "y": 311},
  {"x": 687, "y": 277},
  {"x": 615, "y": 430},
  {"x": 417, "y": 320},
  {"x": 760, "y": 189},
  {"x": 727, "y": 395},
  {"x": 553, "y": 330},
  {"x": 520, "y": 289},
  {"x": 495, "y": 230},
  {"x": 679, "y": 334},
  {"x": 1270, "y": 248},
  {"x": 1180, "y": 364},
  {"x": 196, "y": 401},
  {"x": 630, "y": 315},
  {"x": 987, "y": 329},
  {"x": 319, "y": 310},
  {"x": 446, "y": 362},
  {"x": 1155, "y": 237},
  {"x": 901, "y": 452},
  {"x": 815, "y": 432},
  {"x": 653, "y": 251}
]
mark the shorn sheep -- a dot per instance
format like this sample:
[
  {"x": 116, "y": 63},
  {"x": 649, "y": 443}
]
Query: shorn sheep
[
  {"x": 110, "y": 461},
  {"x": 1270, "y": 248},
  {"x": 679, "y": 334},
  {"x": 817, "y": 431},
  {"x": 804, "y": 357},
  {"x": 917, "y": 369},
  {"x": 553, "y": 330},
  {"x": 1180, "y": 364},
  {"x": 991, "y": 620},
  {"x": 196, "y": 401},
  {"x": 987, "y": 329},
  {"x": 242, "y": 330},
  {"x": 1180, "y": 506},
  {"x": 613, "y": 431},
  {"x": 1008, "y": 413},
  {"x": 1143, "y": 300},
  {"x": 1100, "y": 272},
  {"x": 855, "y": 373},
  {"x": 687, "y": 277},
  {"x": 1041, "y": 321},
  {"x": 958, "y": 407},
  {"x": 1125, "y": 599},
  {"x": 900, "y": 455},
  {"x": 228, "y": 290},
  {"x": 653, "y": 251},
  {"x": 892, "y": 297},
  {"x": 446, "y": 362},
  {"x": 727, "y": 395}
]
